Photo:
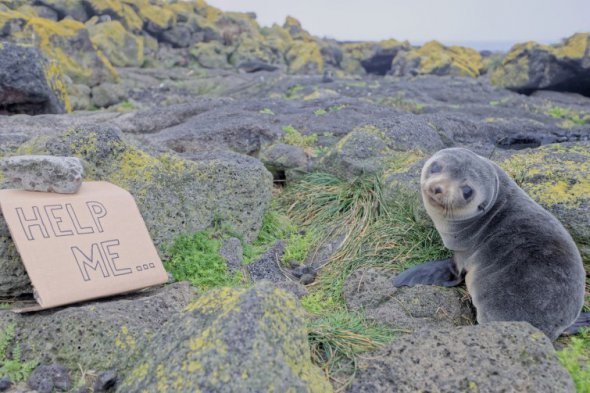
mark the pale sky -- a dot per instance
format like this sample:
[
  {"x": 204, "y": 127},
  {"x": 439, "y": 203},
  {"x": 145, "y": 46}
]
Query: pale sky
[{"x": 450, "y": 21}]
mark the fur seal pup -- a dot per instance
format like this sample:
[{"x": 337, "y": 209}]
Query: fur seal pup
[{"x": 518, "y": 261}]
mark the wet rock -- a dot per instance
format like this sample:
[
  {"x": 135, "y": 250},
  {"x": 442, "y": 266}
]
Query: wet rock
[
  {"x": 405, "y": 309},
  {"x": 29, "y": 83},
  {"x": 105, "y": 381},
  {"x": 97, "y": 335},
  {"x": 231, "y": 340},
  {"x": 494, "y": 357},
  {"x": 45, "y": 378},
  {"x": 61, "y": 175}
]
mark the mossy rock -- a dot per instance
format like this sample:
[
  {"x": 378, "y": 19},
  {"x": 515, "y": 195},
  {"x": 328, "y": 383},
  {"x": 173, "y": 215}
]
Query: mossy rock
[
  {"x": 438, "y": 59},
  {"x": 97, "y": 335},
  {"x": 231, "y": 340},
  {"x": 73, "y": 8},
  {"x": 304, "y": 58},
  {"x": 66, "y": 42},
  {"x": 365, "y": 57},
  {"x": 295, "y": 30},
  {"x": 122, "y": 48},
  {"x": 29, "y": 83},
  {"x": 530, "y": 66},
  {"x": 558, "y": 178},
  {"x": 211, "y": 55}
]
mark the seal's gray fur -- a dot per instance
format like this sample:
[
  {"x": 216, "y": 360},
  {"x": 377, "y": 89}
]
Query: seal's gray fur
[{"x": 520, "y": 263}]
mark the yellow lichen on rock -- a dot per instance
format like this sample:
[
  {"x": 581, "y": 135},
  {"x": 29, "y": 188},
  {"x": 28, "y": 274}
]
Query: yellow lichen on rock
[
  {"x": 122, "y": 48},
  {"x": 304, "y": 57},
  {"x": 54, "y": 77},
  {"x": 575, "y": 47},
  {"x": 437, "y": 58}
]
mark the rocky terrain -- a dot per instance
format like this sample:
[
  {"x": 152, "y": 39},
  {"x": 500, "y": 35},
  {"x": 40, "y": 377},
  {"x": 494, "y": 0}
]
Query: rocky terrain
[{"x": 277, "y": 174}]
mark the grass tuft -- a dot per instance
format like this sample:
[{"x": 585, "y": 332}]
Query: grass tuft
[
  {"x": 11, "y": 362},
  {"x": 576, "y": 359}
]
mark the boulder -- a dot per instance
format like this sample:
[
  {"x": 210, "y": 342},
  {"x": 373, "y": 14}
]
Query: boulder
[
  {"x": 97, "y": 335},
  {"x": 123, "y": 49},
  {"x": 73, "y": 9},
  {"x": 62, "y": 175},
  {"x": 371, "y": 57},
  {"x": 175, "y": 196},
  {"x": 406, "y": 309},
  {"x": 231, "y": 340},
  {"x": 67, "y": 42},
  {"x": 531, "y": 66},
  {"x": 495, "y": 357},
  {"x": 281, "y": 157},
  {"x": 437, "y": 59},
  {"x": 79, "y": 97},
  {"x": 358, "y": 153},
  {"x": 557, "y": 177},
  {"x": 108, "y": 94},
  {"x": 211, "y": 55},
  {"x": 29, "y": 83},
  {"x": 304, "y": 57}
]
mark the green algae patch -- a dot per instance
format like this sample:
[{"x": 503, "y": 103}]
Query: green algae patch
[{"x": 224, "y": 339}]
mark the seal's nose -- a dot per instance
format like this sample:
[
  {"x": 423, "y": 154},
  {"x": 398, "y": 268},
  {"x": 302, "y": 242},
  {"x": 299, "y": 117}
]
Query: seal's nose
[{"x": 437, "y": 189}]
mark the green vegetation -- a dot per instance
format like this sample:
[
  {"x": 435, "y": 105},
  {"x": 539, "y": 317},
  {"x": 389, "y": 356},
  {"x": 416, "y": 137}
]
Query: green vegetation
[
  {"x": 338, "y": 338},
  {"x": 576, "y": 359},
  {"x": 401, "y": 103},
  {"x": 320, "y": 112},
  {"x": 295, "y": 138},
  {"x": 293, "y": 91},
  {"x": 571, "y": 118},
  {"x": 196, "y": 258},
  {"x": 333, "y": 108},
  {"x": 11, "y": 362},
  {"x": 5, "y": 306},
  {"x": 266, "y": 111}
]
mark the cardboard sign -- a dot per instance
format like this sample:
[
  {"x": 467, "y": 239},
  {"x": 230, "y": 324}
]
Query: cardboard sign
[{"x": 81, "y": 246}]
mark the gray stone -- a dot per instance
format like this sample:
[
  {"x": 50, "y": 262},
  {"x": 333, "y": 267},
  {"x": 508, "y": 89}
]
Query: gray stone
[
  {"x": 405, "y": 309},
  {"x": 62, "y": 175},
  {"x": 231, "y": 250},
  {"x": 267, "y": 266},
  {"x": 44, "y": 378},
  {"x": 293, "y": 287},
  {"x": 495, "y": 357},
  {"x": 358, "y": 153},
  {"x": 105, "y": 381},
  {"x": 25, "y": 85},
  {"x": 280, "y": 157},
  {"x": 97, "y": 335},
  {"x": 79, "y": 97},
  {"x": 5, "y": 384},
  {"x": 108, "y": 94},
  {"x": 231, "y": 340}
]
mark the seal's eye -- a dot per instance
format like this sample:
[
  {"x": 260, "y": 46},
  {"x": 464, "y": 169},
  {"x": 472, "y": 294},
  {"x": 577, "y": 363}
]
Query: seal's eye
[
  {"x": 467, "y": 192},
  {"x": 435, "y": 168}
]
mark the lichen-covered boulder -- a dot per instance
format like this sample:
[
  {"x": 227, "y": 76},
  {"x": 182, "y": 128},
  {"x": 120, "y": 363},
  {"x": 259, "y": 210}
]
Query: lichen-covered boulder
[
  {"x": 211, "y": 55},
  {"x": 280, "y": 157},
  {"x": 175, "y": 196},
  {"x": 304, "y": 57},
  {"x": 66, "y": 42},
  {"x": 231, "y": 340},
  {"x": 530, "y": 66},
  {"x": 437, "y": 59},
  {"x": 108, "y": 94},
  {"x": 358, "y": 153},
  {"x": 494, "y": 357},
  {"x": 97, "y": 335},
  {"x": 72, "y": 8},
  {"x": 123, "y": 49},
  {"x": 557, "y": 176},
  {"x": 29, "y": 83},
  {"x": 405, "y": 309}
]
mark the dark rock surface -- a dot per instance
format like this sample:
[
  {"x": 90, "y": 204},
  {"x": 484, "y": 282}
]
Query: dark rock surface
[
  {"x": 495, "y": 357},
  {"x": 45, "y": 378},
  {"x": 29, "y": 83}
]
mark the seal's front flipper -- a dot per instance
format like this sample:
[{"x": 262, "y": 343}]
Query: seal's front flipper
[
  {"x": 442, "y": 272},
  {"x": 583, "y": 321}
]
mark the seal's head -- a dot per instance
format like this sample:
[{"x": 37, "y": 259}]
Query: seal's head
[{"x": 458, "y": 185}]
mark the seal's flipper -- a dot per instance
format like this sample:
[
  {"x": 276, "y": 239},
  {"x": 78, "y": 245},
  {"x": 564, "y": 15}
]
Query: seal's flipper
[
  {"x": 583, "y": 321},
  {"x": 442, "y": 272}
]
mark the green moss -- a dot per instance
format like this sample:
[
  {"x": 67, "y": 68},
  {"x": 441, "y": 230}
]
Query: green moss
[
  {"x": 266, "y": 111},
  {"x": 575, "y": 357},
  {"x": 196, "y": 258},
  {"x": 571, "y": 118},
  {"x": 399, "y": 101},
  {"x": 295, "y": 138},
  {"x": 123, "y": 49},
  {"x": 11, "y": 362}
]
